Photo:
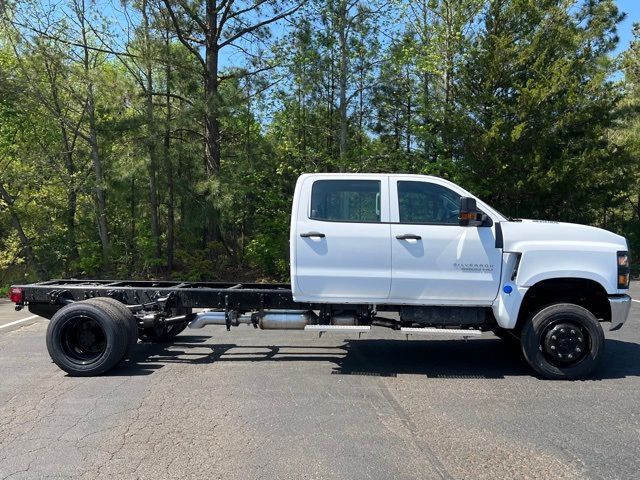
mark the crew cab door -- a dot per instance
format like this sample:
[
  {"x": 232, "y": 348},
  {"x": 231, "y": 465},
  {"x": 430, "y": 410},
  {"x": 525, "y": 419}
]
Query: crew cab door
[
  {"x": 436, "y": 261},
  {"x": 342, "y": 239}
]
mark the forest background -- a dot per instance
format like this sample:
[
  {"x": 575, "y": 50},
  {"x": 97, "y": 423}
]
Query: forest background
[{"x": 163, "y": 138}]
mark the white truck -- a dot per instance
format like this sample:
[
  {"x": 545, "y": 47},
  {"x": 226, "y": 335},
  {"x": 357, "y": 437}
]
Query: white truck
[{"x": 421, "y": 250}]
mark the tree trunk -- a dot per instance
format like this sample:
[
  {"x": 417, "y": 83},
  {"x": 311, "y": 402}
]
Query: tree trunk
[
  {"x": 171, "y": 217},
  {"x": 331, "y": 91},
  {"x": 101, "y": 204},
  {"x": 132, "y": 231},
  {"x": 409, "y": 114},
  {"x": 212, "y": 100},
  {"x": 342, "y": 73},
  {"x": 24, "y": 239},
  {"x": 72, "y": 194},
  {"x": 153, "y": 178},
  {"x": 447, "y": 136},
  {"x": 72, "y": 207},
  {"x": 396, "y": 130},
  {"x": 169, "y": 168},
  {"x": 212, "y": 152},
  {"x": 151, "y": 137},
  {"x": 361, "y": 110},
  {"x": 426, "y": 117}
]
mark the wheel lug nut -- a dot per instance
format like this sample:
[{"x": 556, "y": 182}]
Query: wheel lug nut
[
  {"x": 578, "y": 349},
  {"x": 570, "y": 355},
  {"x": 553, "y": 347},
  {"x": 553, "y": 337},
  {"x": 562, "y": 330}
]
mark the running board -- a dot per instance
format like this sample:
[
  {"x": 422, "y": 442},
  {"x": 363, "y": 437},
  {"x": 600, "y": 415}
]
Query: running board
[
  {"x": 359, "y": 329},
  {"x": 440, "y": 331}
]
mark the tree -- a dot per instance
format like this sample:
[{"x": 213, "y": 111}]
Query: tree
[
  {"x": 78, "y": 115},
  {"x": 216, "y": 26},
  {"x": 539, "y": 101},
  {"x": 626, "y": 134},
  {"x": 104, "y": 126}
]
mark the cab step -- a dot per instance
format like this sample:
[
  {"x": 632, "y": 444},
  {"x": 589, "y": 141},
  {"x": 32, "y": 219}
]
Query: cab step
[
  {"x": 359, "y": 329},
  {"x": 464, "y": 333}
]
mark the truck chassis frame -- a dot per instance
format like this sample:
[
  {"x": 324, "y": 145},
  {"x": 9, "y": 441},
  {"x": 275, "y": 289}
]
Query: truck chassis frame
[{"x": 96, "y": 323}]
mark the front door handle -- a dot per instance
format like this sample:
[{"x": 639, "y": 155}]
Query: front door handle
[
  {"x": 408, "y": 236},
  {"x": 312, "y": 234}
]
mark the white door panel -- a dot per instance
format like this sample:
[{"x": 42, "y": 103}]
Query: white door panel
[
  {"x": 448, "y": 264},
  {"x": 352, "y": 261}
]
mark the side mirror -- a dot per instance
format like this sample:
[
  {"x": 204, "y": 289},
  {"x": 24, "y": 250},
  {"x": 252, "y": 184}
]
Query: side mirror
[{"x": 470, "y": 216}]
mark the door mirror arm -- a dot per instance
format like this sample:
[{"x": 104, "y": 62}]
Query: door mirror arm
[
  {"x": 470, "y": 216},
  {"x": 486, "y": 220}
]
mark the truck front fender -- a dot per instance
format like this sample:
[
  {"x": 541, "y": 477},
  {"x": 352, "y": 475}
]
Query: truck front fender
[
  {"x": 545, "y": 263},
  {"x": 533, "y": 266}
]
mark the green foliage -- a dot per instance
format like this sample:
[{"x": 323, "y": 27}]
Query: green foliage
[
  {"x": 519, "y": 101},
  {"x": 265, "y": 253},
  {"x": 539, "y": 103}
]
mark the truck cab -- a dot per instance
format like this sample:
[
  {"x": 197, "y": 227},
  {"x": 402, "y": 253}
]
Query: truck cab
[
  {"x": 391, "y": 239},
  {"x": 404, "y": 240}
]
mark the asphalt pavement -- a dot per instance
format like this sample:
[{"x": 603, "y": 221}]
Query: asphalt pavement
[
  {"x": 12, "y": 320},
  {"x": 286, "y": 405}
]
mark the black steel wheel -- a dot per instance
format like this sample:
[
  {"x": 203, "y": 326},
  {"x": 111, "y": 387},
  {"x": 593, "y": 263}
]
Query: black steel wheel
[
  {"x": 563, "y": 341},
  {"x": 84, "y": 339},
  {"x": 122, "y": 315},
  {"x": 166, "y": 333}
]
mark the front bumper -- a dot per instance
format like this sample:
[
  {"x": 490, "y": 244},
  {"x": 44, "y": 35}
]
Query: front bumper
[{"x": 620, "y": 306}]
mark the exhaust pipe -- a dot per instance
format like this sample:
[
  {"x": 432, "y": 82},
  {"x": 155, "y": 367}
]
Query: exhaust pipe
[
  {"x": 345, "y": 319},
  {"x": 216, "y": 318},
  {"x": 287, "y": 319},
  {"x": 271, "y": 320}
]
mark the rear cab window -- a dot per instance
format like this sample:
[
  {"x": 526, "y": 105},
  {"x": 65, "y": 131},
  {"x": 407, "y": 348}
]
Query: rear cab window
[{"x": 356, "y": 201}]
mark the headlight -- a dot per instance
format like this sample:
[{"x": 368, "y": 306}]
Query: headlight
[
  {"x": 623, "y": 270},
  {"x": 623, "y": 259}
]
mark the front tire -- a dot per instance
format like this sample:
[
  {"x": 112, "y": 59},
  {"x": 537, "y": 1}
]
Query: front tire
[{"x": 563, "y": 342}]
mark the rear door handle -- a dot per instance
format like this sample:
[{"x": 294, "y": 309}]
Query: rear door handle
[
  {"x": 408, "y": 236},
  {"x": 312, "y": 234}
]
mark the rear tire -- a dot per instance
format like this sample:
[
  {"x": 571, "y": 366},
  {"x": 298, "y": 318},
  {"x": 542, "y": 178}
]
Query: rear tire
[
  {"x": 85, "y": 339},
  {"x": 126, "y": 319},
  {"x": 563, "y": 342}
]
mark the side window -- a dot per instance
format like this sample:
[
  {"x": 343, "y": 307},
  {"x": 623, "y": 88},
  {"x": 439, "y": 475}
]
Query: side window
[
  {"x": 346, "y": 200},
  {"x": 423, "y": 202}
]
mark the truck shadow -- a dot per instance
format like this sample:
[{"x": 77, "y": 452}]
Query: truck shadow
[{"x": 478, "y": 358}]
